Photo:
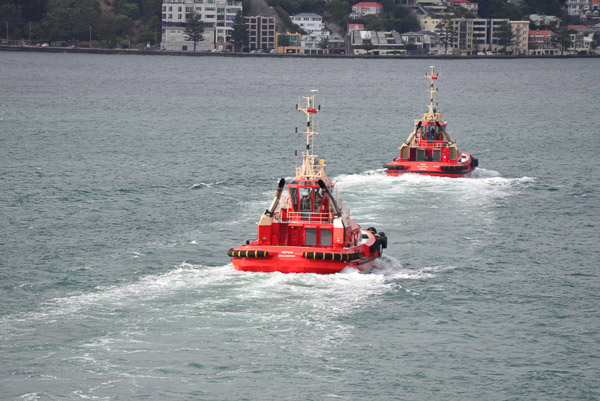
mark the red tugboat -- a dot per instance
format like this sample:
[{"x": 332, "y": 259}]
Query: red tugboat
[
  {"x": 312, "y": 231},
  {"x": 429, "y": 150}
]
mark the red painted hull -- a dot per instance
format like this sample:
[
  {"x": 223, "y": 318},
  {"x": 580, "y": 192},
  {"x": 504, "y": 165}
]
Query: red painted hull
[
  {"x": 433, "y": 168},
  {"x": 293, "y": 259}
]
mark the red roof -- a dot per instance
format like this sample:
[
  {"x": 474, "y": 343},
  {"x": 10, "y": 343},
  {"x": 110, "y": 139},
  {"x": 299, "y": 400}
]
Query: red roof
[
  {"x": 368, "y": 4},
  {"x": 540, "y": 32},
  {"x": 577, "y": 26},
  {"x": 464, "y": 1},
  {"x": 356, "y": 25}
]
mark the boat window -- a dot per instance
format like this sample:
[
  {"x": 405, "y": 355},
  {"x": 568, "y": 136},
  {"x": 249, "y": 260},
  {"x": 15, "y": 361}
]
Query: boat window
[
  {"x": 310, "y": 236},
  {"x": 326, "y": 237},
  {"x": 430, "y": 133},
  {"x": 318, "y": 199},
  {"x": 305, "y": 203},
  {"x": 294, "y": 197}
]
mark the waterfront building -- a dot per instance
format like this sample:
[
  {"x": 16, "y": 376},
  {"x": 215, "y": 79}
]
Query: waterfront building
[
  {"x": 521, "y": 35},
  {"x": 261, "y": 30},
  {"x": 313, "y": 42},
  {"x": 294, "y": 43},
  {"x": 540, "y": 43},
  {"x": 217, "y": 16}
]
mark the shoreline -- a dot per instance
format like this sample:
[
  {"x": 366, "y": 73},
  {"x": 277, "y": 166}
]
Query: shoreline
[{"x": 270, "y": 55}]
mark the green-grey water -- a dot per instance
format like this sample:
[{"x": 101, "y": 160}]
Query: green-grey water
[{"x": 125, "y": 179}]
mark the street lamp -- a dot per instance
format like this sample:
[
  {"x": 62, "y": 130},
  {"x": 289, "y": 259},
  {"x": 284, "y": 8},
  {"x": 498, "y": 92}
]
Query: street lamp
[
  {"x": 6, "y": 22},
  {"x": 90, "y": 36}
]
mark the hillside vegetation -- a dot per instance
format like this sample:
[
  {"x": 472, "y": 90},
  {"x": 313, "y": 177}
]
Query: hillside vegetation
[{"x": 111, "y": 22}]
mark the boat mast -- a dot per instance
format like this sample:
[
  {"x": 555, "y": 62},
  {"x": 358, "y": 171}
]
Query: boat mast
[
  {"x": 433, "y": 114},
  {"x": 309, "y": 168}
]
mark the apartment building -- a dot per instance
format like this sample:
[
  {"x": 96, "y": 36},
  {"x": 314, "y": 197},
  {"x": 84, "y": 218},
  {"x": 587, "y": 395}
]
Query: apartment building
[
  {"x": 262, "y": 31},
  {"x": 217, "y": 15},
  {"x": 521, "y": 31}
]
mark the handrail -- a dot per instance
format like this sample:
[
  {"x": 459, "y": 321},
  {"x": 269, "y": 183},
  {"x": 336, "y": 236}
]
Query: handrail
[{"x": 307, "y": 217}]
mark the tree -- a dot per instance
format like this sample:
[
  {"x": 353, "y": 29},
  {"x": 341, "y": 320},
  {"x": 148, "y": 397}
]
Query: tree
[
  {"x": 283, "y": 40},
  {"x": 239, "y": 36},
  {"x": 561, "y": 36},
  {"x": 447, "y": 33},
  {"x": 194, "y": 29},
  {"x": 66, "y": 19},
  {"x": 506, "y": 36},
  {"x": 546, "y": 7},
  {"x": 324, "y": 43}
]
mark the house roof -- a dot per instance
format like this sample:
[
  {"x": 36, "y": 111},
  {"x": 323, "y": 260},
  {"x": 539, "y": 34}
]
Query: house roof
[
  {"x": 462, "y": 1},
  {"x": 354, "y": 26},
  {"x": 307, "y": 15},
  {"x": 538, "y": 32},
  {"x": 538, "y": 17},
  {"x": 367, "y": 4}
]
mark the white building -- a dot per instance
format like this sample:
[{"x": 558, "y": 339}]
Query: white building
[
  {"x": 467, "y": 5},
  {"x": 217, "y": 15},
  {"x": 584, "y": 10},
  {"x": 366, "y": 8},
  {"x": 309, "y": 22}
]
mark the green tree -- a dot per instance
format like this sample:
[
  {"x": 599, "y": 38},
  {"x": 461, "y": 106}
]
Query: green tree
[
  {"x": 283, "y": 40},
  {"x": 194, "y": 29},
  {"x": 324, "y": 43},
  {"x": 546, "y": 7},
  {"x": 506, "y": 36},
  {"x": 561, "y": 36},
  {"x": 239, "y": 35},
  {"x": 151, "y": 31},
  {"x": 339, "y": 9},
  {"x": 447, "y": 33},
  {"x": 67, "y": 19}
]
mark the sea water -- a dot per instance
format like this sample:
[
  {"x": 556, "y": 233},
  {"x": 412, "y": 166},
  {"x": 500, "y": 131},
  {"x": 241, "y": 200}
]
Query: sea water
[{"x": 125, "y": 179}]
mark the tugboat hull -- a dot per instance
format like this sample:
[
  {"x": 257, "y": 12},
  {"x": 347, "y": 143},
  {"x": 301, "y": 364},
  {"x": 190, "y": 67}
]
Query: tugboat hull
[
  {"x": 438, "y": 169},
  {"x": 302, "y": 259}
]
